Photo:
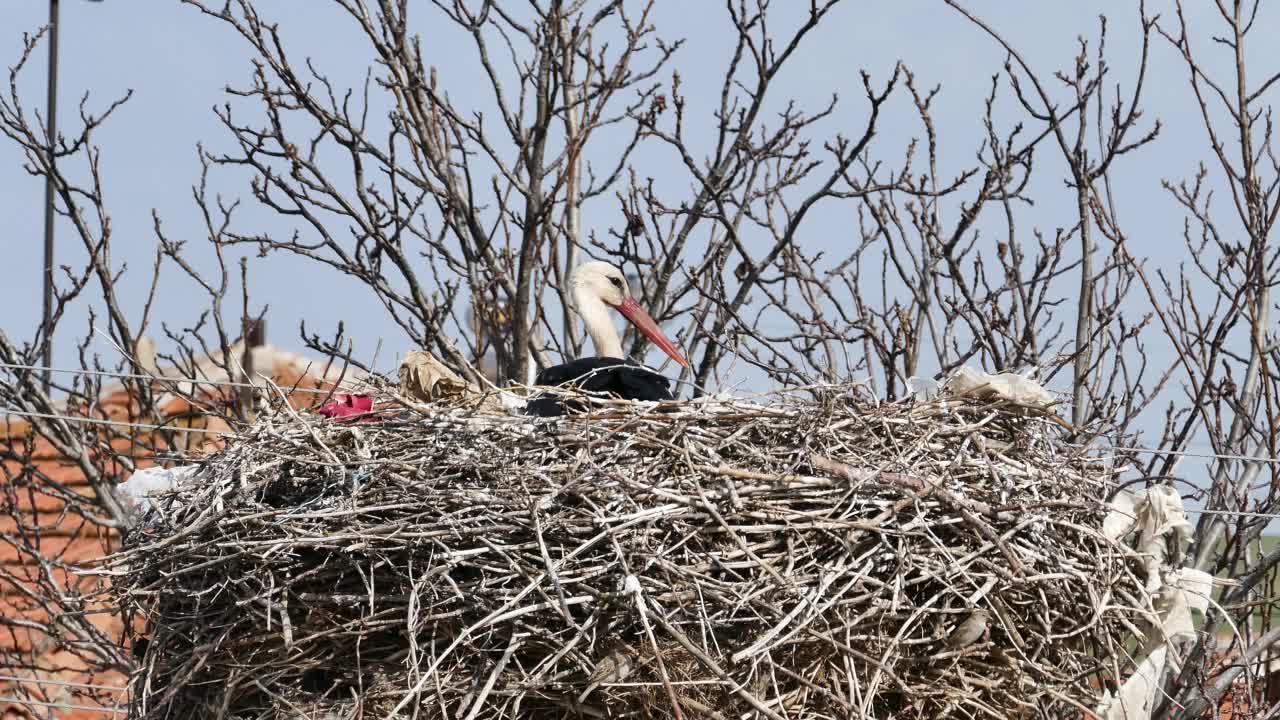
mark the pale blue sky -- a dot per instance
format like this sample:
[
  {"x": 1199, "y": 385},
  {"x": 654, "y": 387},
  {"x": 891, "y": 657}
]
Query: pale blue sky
[{"x": 178, "y": 63}]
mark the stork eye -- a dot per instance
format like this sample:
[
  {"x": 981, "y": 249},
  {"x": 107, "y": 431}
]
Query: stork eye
[{"x": 617, "y": 282}]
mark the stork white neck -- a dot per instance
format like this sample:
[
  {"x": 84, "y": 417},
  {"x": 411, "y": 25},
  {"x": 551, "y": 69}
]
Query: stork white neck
[{"x": 595, "y": 313}]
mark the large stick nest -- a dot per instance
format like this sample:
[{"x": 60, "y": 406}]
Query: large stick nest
[{"x": 805, "y": 558}]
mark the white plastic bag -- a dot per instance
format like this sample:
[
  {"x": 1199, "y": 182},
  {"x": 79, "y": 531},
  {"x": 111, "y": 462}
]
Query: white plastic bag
[
  {"x": 1177, "y": 592},
  {"x": 151, "y": 482},
  {"x": 967, "y": 382}
]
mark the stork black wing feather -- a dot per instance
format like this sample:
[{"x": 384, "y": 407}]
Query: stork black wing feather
[{"x": 614, "y": 376}]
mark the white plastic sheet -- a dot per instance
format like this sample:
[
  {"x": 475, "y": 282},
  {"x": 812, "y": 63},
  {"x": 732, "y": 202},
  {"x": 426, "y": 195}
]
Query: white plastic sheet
[
  {"x": 924, "y": 388},
  {"x": 968, "y": 382},
  {"x": 1123, "y": 516},
  {"x": 150, "y": 482},
  {"x": 1160, "y": 514},
  {"x": 1176, "y": 593}
]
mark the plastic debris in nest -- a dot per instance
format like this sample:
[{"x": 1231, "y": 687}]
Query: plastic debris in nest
[
  {"x": 967, "y": 382},
  {"x": 149, "y": 484},
  {"x": 348, "y": 406},
  {"x": 424, "y": 378},
  {"x": 1157, "y": 522},
  {"x": 971, "y": 383},
  {"x": 924, "y": 389}
]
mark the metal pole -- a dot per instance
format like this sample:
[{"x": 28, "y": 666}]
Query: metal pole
[{"x": 52, "y": 119}]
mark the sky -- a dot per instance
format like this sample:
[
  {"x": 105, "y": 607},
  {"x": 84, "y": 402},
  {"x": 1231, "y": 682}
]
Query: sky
[{"x": 179, "y": 63}]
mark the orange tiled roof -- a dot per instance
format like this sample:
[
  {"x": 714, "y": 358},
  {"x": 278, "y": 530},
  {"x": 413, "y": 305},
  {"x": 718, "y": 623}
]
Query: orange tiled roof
[{"x": 39, "y": 517}]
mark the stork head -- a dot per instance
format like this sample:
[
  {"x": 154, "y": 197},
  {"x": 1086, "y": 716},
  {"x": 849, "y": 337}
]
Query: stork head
[
  {"x": 601, "y": 280},
  {"x": 605, "y": 283}
]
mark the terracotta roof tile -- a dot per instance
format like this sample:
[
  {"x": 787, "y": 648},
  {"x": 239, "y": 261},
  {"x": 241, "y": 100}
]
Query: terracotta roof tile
[{"x": 72, "y": 539}]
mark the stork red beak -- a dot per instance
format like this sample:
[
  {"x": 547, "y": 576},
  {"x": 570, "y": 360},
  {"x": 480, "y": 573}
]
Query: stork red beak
[{"x": 632, "y": 311}]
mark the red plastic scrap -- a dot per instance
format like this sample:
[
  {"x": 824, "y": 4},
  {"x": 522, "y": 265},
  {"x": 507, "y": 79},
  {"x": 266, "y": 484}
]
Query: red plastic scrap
[{"x": 347, "y": 406}]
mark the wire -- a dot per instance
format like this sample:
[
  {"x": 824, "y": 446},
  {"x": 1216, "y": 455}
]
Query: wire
[
  {"x": 115, "y": 423},
  {"x": 63, "y": 706},
  {"x": 143, "y": 426},
  {"x": 1187, "y": 453},
  {"x": 1237, "y": 513},
  {"x": 161, "y": 378},
  {"x": 229, "y": 383},
  {"x": 61, "y": 683},
  {"x": 233, "y": 384},
  {"x": 221, "y": 383}
]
